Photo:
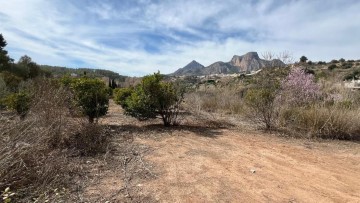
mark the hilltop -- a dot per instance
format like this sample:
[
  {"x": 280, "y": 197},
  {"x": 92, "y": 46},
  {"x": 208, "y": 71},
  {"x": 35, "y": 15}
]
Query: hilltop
[
  {"x": 248, "y": 62},
  {"x": 58, "y": 71}
]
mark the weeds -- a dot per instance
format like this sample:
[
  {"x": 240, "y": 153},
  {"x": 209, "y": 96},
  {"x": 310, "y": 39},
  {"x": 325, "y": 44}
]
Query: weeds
[
  {"x": 34, "y": 154},
  {"x": 219, "y": 100}
]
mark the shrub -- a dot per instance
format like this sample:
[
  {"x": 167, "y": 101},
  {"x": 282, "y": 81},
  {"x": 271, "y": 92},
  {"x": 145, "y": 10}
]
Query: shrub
[
  {"x": 303, "y": 59},
  {"x": 352, "y": 76},
  {"x": 346, "y": 65},
  {"x": 261, "y": 103},
  {"x": 309, "y": 71},
  {"x": 334, "y": 61},
  {"x": 333, "y": 122},
  {"x": 219, "y": 100},
  {"x": 29, "y": 164},
  {"x": 20, "y": 102},
  {"x": 299, "y": 88},
  {"x": 37, "y": 154},
  {"x": 120, "y": 95},
  {"x": 12, "y": 81},
  {"x": 332, "y": 67},
  {"x": 90, "y": 139},
  {"x": 91, "y": 96},
  {"x": 342, "y": 60},
  {"x": 321, "y": 63},
  {"x": 4, "y": 92},
  {"x": 154, "y": 97}
]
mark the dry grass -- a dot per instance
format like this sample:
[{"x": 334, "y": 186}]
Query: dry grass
[
  {"x": 324, "y": 122},
  {"x": 219, "y": 100},
  {"x": 35, "y": 153},
  {"x": 335, "y": 116}
]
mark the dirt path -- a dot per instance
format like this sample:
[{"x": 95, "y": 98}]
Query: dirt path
[{"x": 200, "y": 164}]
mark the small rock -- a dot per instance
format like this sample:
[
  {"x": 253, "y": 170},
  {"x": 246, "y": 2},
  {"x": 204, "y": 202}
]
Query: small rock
[
  {"x": 252, "y": 170},
  {"x": 22, "y": 145}
]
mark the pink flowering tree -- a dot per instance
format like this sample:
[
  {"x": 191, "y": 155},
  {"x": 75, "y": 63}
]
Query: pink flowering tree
[{"x": 299, "y": 88}]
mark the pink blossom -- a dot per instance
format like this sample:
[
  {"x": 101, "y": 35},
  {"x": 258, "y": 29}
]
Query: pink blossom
[{"x": 300, "y": 88}]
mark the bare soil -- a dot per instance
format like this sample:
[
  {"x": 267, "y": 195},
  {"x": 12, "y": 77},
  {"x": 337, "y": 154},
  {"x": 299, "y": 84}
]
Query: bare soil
[{"x": 203, "y": 162}]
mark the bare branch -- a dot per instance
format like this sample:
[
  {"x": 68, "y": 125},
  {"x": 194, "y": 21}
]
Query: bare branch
[
  {"x": 268, "y": 55},
  {"x": 286, "y": 57}
]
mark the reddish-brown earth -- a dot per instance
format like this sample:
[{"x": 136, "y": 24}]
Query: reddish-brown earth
[{"x": 195, "y": 163}]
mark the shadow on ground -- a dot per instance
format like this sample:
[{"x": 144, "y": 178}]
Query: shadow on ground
[{"x": 159, "y": 130}]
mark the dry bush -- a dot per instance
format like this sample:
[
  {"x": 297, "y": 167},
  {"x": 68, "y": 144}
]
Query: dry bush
[
  {"x": 220, "y": 100},
  {"x": 335, "y": 116},
  {"x": 89, "y": 139},
  {"x": 33, "y": 157},
  {"x": 262, "y": 106},
  {"x": 324, "y": 122}
]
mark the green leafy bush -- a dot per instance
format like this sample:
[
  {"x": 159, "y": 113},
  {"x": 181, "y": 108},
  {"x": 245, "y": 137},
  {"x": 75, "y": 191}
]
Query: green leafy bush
[
  {"x": 332, "y": 67},
  {"x": 120, "y": 95},
  {"x": 12, "y": 81},
  {"x": 20, "y": 102},
  {"x": 91, "y": 96},
  {"x": 153, "y": 97},
  {"x": 303, "y": 59}
]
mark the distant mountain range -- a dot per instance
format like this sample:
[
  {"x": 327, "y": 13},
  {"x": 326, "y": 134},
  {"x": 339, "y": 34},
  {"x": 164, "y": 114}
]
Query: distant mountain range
[{"x": 238, "y": 64}]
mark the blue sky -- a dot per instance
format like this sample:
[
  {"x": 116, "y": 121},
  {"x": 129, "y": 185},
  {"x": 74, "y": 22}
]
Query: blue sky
[{"x": 140, "y": 37}]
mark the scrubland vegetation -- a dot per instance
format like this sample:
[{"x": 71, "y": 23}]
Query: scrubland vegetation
[
  {"x": 47, "y": 122},
  {"x": 288, "y": 100},
  {"x": 36, "y": 151},
  {"x": 151, "y": 98}
]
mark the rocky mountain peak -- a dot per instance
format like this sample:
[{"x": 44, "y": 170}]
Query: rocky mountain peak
[
  {"x": 193, "y": 68},
  {"x": 251, "y": 56},
  {"x": 251, "y": 62},
  {"x": 193, "y": 62},
  {"x": 244, "y": 63}
]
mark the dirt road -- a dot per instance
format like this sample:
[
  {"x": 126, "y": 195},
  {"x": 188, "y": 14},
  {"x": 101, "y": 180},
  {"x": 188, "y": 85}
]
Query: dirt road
[{"x": 203, "y": 164}]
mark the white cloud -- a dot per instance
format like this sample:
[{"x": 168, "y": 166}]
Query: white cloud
[{"x": 137, "y": 38}]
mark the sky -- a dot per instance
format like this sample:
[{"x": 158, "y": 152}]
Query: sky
[{"x": 139, "y": 37}]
